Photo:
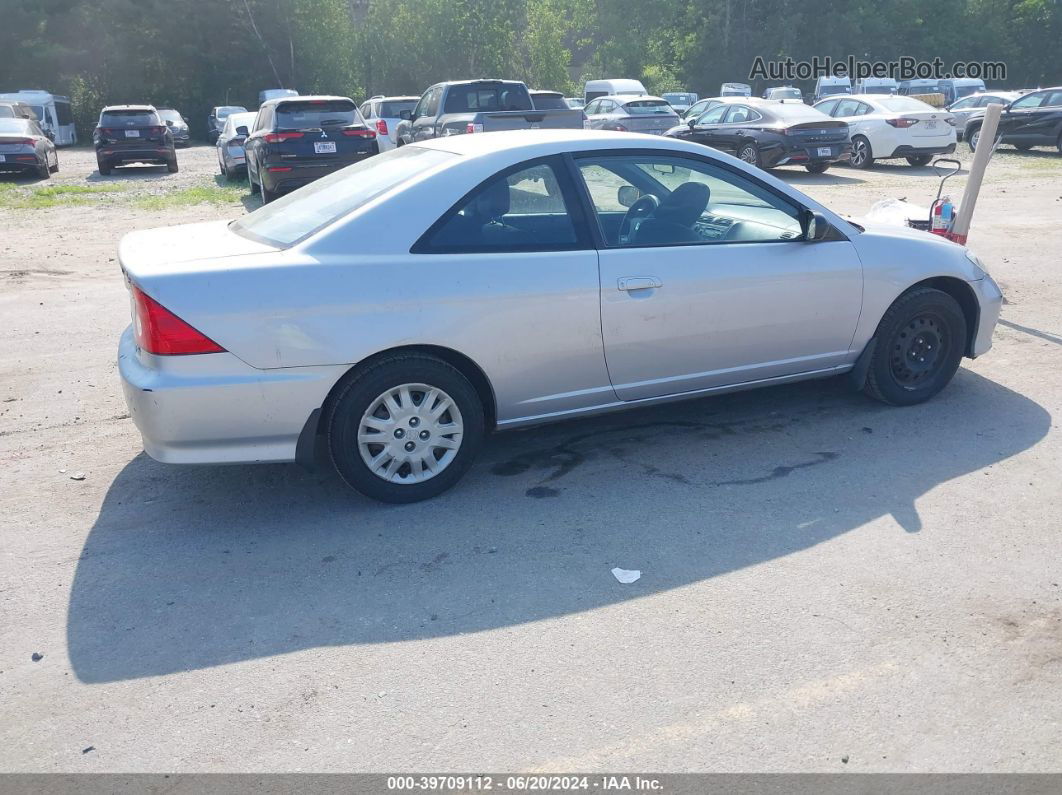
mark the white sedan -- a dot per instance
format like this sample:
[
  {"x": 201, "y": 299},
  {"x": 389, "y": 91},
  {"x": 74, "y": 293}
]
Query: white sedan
[
  {"x": 890, "y": 127},
  {"x": 401, "y": 308}
]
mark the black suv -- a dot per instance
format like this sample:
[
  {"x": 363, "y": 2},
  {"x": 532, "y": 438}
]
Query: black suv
[
  {"x": 132, "y": 134},
  {"x": 1032, "y": 120},
  {"x": 296, "y": 140}
]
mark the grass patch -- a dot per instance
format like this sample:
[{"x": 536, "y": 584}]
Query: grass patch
[
  {"x": 17, "y": 197},
  {"x": 1043, "y": 163},
  {"x": 198, "y": 194}
]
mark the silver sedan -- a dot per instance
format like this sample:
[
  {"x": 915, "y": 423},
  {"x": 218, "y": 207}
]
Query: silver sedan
[
  {"x": 396, "y": 311},
  {"x": 642, "y": 114},
  {"x": 231, "y": 158}
]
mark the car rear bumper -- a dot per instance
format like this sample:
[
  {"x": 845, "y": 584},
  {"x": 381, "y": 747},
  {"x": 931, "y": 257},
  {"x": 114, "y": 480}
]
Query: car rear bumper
[
  {"x": 989, "y": 301},
  {"x": 139, "y": 154},
  {"x": 303, "y": 173},
  {"x": 809, "y": 154},
  {"x": 13, "y": 166},
  {"x": 911, "y": 150},
  {"x": 216, "y": 409}
]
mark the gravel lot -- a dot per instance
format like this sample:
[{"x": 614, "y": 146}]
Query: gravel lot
[{"x": 827, "y": 583}]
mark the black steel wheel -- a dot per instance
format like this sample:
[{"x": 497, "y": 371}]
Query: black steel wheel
[{"x": 920, "y": 341}]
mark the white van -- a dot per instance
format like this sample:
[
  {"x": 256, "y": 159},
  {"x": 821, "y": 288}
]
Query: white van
[
  {"x": 735, "y": 90},
  {"x": 608, "y": 88},
  {"x": 828, "y": 86},
  {"x": 52, "y": 111},
  {"x": 877, "y": 85}
]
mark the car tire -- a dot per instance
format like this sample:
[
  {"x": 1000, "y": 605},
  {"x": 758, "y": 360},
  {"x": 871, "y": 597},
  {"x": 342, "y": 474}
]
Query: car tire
[
  {"x": 974, "y": 138},
  {"x": 103, "y": 167},
  {"x": 862, "y": 153},
  {"x": 1027, "y": 147},
  {"x": 267, "y": 194},
  {"x": 251, "y": 182},
  {"x": 1058, "y": 144},
  {"x": 374, "y": 402},
  {"x": 919, "y": 160},
  {"x": 920, "y": 341},
  {"x": 55, "y": 169},
  {"x": 817, "y": 168},
  {"x": 44, "y": 171},
  {"x": 749, "y": 153},
  {"x": 171, "y": 166}
]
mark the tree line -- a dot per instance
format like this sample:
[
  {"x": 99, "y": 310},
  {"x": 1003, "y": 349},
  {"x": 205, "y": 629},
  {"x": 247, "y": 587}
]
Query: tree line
[{"x": 194, "y": 54}]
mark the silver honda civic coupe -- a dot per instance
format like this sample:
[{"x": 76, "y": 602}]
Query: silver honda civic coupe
[{"x": 402, "y": 308}]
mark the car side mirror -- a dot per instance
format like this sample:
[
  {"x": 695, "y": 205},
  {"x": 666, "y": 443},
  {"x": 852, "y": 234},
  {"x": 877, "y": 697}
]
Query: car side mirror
[
  {"x": 169, "y": 122},
  {"x": 691, "y": 122},
  {"x": 241, "y": 130},
  {"x": 816, "y": 227},
  {"x": 627, "y": 195},
  {"x": 405, "y": 115}
]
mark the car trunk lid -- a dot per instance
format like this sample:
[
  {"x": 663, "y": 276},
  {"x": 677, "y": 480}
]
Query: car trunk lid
[{"x": 321, "y": 131}]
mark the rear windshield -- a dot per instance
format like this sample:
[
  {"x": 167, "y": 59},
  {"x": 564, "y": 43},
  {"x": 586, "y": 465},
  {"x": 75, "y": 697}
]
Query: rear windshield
[
  {"x": 475, "y": 98},
  {"x": 299, "y": 214},
  {"x": 7, "y": 112},
  {"x": 549, "y": 102},
  {"x": 786, "y": 93},
  {"x": 794, "y": 112},
  {"x": 825, "y": 90},
  {"x": 14, "y": 126},
  {"x": 127, "y": 118},
  {"x": 904, "y": 104},
  {"x": 392, "y": 109},
  {"x": 228, "y": 110},
  {"x": 313, "y": 113},
  {"x": 647, "y": 107},
  {"x": 681, "y": 99}
]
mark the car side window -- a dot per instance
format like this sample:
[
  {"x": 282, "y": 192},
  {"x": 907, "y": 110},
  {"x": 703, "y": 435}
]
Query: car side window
[
  {"x": 1029, "y": 101},
  {"x": 1053, "y": 100},
  {"x": 591, "y": 108},
  {"x": 521, "y": 210},
  {"x": 963, "y": 104},
  {"x": 684, "y": 202},
  {"x": 431, "y": 108},
  {"x": 827, "y": 107},
  {"x": 419, "y": 110},
  {"x": 713, "y": 116},
  {"x": 366, "y": 110},
  {"x": 737, "y": 114},
  {"x": 847, "y": 107}
]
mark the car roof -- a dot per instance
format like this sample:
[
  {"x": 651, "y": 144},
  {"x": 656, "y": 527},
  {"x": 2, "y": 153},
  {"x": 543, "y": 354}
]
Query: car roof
[
  {"x": 544, "y": 92},
  {"x": 625, "y": 98},
  {"x": 538, "y": 143},
  {"x": 382, "y": 98}
]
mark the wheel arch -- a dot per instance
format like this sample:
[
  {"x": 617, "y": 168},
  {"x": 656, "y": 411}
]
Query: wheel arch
[{"x": 964, "y": 295}]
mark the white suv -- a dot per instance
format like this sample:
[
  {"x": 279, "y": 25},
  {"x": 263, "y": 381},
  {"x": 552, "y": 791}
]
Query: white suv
[{"x": 383, "y": 115}]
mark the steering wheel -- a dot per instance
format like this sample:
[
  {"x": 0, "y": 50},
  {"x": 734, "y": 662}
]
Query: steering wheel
[{"x": 644, "y": 207}]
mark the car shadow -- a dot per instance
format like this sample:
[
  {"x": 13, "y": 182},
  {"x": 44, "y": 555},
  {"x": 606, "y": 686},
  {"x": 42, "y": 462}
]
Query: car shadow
[
  {"x": 901, "y": 168},
  {"x": 187, "y": 568},
  {"x": 137, "y": 171},
  {"x": 803, "y": 177}
]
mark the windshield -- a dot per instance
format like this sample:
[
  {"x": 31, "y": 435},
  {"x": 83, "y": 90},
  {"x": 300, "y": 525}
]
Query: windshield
[
  {"x": 7, "y": 112},
  {"x": 648, "y": 107},
  {"x": 473, "y": 98},
  {"x": 681, "y": 99},
  {"x": 549, "y": 102},
  {"x": 786, "y": 93},
  {"x": 226, "y": 110},
  {"x": 20, "y": 126},
  {"x": 315, "y": 113},
  {"x": 239, "y": 120},
  {"x": 904, "y": 104},
  {"x": 129, "y": 118},
  {"x": 171, "y": 115},
  {"x": 38, "y": 110},
  {"x": 392, "y": 109},
  {"x": 965, "y": 91},
  {"x": 299, "y": 214},
  {"x": 826, "y": 90},
  {"x": 879, "y": 89}
]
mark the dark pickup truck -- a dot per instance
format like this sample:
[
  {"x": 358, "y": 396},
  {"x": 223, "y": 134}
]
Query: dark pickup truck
[{"x": 473, "y": 106}]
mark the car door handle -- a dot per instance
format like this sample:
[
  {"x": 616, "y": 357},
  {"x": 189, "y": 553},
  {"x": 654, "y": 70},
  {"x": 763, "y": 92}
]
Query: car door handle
[{"x": 629, "y": 283}]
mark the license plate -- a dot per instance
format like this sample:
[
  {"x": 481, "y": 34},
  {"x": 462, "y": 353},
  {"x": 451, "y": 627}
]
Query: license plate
[
  {"x": 132, "y": 133},
  {"x": 825, "y": 151},
  {"x": 931, "y": 125},
  {"x": 535, "y": 125},
  {"x": 324, "y": 147}
]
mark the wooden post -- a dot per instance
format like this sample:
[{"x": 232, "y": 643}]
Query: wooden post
[{"x": 986, "y": 144}]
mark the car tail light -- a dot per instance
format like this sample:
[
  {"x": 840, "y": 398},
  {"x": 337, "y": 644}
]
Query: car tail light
[
  {"x": 360, "y": 133},
  {"x": 19, "y": 141},
  {"x": 619, "y": 128},
  {"x": 381, "y": 127},
  {"x": 474, "y": 128},
  {"x": 902, "y": 122},
  {"x": 274, "y": 169},
  {"x": 279, "y": 138},
  {"x": 159, "y": 331},
  {"x": 156, "y": 130}
]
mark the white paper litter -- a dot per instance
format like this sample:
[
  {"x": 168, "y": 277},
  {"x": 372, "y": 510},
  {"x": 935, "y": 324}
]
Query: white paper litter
[
  {"x": 895, "y": 212},
  {"x": 626, "y": 576}
]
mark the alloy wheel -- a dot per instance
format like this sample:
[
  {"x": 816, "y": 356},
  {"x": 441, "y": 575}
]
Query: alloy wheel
[
  {"x": 859, "y": 153},
  {"x": 410, "y": 433},
  {"x": 749, "y": 155}
]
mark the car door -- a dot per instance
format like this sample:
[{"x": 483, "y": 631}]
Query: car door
[
  {"x": 706, "y": 129},
  {"x": 423, "y": 126},
  {"x": 1018, "y": 121},
  {"x": 263, "y": 123},
  {"x": 731, "y": 295},
  {"x": 1043, "y": 124},
  {"x": 519, "y": 292},
  {"x": 733, "y": 133}
]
